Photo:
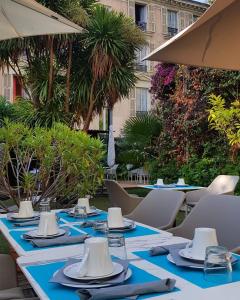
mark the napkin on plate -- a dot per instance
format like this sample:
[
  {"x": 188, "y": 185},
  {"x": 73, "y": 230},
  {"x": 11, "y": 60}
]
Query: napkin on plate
[
  {"x": 59, "y": 277},
  {"x": 128, "y": 290},
  {"x": 58, "y": 241}
]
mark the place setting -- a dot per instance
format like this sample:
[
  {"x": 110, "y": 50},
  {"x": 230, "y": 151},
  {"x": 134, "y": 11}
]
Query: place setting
[
  {"x": 48, "y": 233},
  {"x": 114, "y": 223},
  {"x": 83, "y": 209},
  {"x": 180, "y": 183},
  {"x": 100, "y": 274},
  {"x": 203, "y": 254},
  {"x": 26, "y": 214}
]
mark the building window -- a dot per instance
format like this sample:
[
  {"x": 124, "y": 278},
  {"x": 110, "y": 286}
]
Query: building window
[
  {"x": 195, "y": 17},
  {"x": 108, "y": 7},
  {"x": 141, "y": 16},
  {"x": 141, "y": 101},
  {"x": 172, "y": 21},
  {"x": 141, "y": 65}
]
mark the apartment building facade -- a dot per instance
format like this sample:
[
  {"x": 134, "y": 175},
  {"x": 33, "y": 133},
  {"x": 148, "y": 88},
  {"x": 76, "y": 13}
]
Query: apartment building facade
[{"x": 159, "y": 20}]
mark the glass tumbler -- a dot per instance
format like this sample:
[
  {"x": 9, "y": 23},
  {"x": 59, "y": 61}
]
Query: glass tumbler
[
  {"x": 116, "y": 245},
  {"x": 80, "y": 212},
  {"x": 44, "y": 206},
  {"x": 217, "y": 265}
]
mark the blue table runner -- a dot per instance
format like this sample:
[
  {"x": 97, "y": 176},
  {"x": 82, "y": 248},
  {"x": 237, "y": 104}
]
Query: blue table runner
[
  {"x": 192, "y": 275},
  {"x": 43, "y": 273}
]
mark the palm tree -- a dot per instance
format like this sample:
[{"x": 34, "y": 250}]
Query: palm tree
[
  {"x": 76, "y": 75},
  {"x": 105, "y": 69}
]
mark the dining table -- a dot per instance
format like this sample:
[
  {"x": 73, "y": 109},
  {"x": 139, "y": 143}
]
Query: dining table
[
  {"x": 171, "y": 187},
  {"x": 39, "y": 264}
]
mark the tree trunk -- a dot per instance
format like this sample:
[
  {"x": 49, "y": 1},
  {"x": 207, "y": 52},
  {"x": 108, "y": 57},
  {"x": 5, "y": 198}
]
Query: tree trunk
[
  {"x": 50, "y": 78},
  {"x": 68, "y": 83},
  {"x": 88, "y": 119}
]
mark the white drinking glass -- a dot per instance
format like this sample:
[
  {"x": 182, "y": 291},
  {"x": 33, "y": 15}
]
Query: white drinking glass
[
  {"x": 115, "y": 218},
  {"x": 99, "y": 262},
  {"x": 26, "y": 209},
  {"x": 203, "y": 238},
  {"x": 47, "y": 224},
  {"x": 160, "y": 182},
  {"x": 181, "y": 181}
]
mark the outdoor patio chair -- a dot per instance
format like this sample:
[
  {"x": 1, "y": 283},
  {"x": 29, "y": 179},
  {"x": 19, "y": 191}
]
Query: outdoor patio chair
[
  {"x": 222, "y": 184},
  {"x": 111, "y": 173},
  {"x": 158, "y": 209},
  {"x": 215, "y": 211},
  {"x": 8, "y": 280},
  {"x": 120, "y": 198}
]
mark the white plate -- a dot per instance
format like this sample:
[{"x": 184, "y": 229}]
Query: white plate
[
  {"x": 169, "y": 258},
  {"x": 34, "y": 234},
  {"x": 126, "y": 228},
  {"x": 187, "y": 253},
  {"x": 94, "y": 286},
  {"x": 72, "y": 272},
  {"x": 16, "y": 216}
]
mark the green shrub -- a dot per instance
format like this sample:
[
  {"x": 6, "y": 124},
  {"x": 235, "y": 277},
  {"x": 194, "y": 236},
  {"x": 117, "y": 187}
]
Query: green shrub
[{"x": 68, "y": 162}]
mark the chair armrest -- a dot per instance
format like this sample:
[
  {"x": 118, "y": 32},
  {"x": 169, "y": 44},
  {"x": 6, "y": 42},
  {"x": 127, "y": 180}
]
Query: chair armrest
[
  {"x": 8, "y": 276},
  {"x": 10, "y": 294}
]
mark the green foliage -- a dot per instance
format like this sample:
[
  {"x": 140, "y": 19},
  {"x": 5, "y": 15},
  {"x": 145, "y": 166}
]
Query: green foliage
[
  {"x": 225, "y": 120},
  {"x": 187, "y": 146},
  {"x": 202, "y": 170},
  {"x": 6, "y": 110},
  {"x": 70, "y": 78},
  {"x": 140, "y": 134},
  {"x": 68, "y": 162}
]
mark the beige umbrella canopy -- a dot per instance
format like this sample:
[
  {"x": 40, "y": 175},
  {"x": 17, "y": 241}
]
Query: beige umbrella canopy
[
  {"x": 212, "y": 41},
  {"x": 20, "y": 18}
]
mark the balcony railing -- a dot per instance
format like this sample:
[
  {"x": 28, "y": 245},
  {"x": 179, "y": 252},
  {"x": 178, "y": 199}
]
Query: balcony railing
[
  {"x": 140, "y": 68},
  {"x": 172, "y": 31},
  {"x": 142, "y": 25},
  {"x": 141, "y": 113}
]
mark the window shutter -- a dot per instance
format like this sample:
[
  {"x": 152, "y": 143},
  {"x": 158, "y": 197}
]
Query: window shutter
[
  {"x": 131, "y": 9},
  {"x": 151, "y": 26},
  {"x": 132, "y": 97},
  {"x": 188, "y": 18},
  {"x": 181, "y": 20},
  {"x": 151, "y": 63},
  {"x": 7, "y": 86},
  {"x": 164, "y": 20}
]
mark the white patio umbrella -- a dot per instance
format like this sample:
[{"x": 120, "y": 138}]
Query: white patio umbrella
[
  {"x": 111, "y": 148},
  {"x": 212, "y": 41},
  {"x": 20, "y": 18}
]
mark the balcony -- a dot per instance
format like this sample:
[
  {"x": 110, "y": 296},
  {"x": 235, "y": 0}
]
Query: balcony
[{"x": 142, "y": 25}]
